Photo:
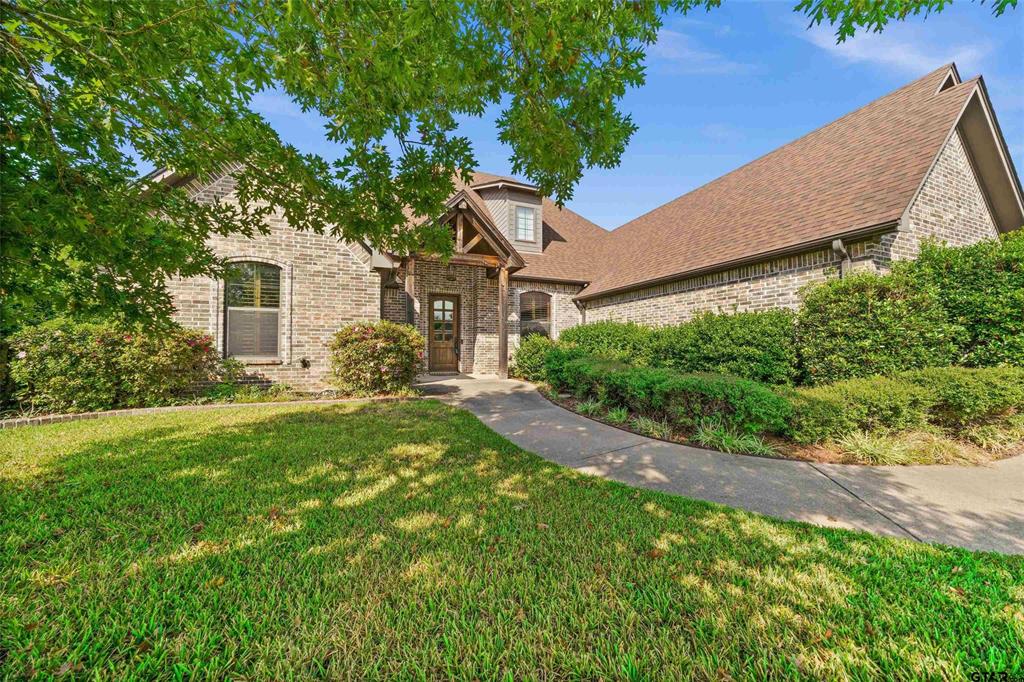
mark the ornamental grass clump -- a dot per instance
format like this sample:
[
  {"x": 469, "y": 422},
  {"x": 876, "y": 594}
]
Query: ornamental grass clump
[{"x": 375, "y": 358}]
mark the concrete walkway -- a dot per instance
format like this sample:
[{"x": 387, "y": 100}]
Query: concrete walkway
[{"x": 973, "y": 507}]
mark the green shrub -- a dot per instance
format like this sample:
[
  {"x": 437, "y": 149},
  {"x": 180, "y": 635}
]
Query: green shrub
[
  {"x": 981, "y": 288},
  {"x": 587, "y": 377},
  {"x": 964, "y": 396},
  {"x": 682, "y": 399},
  {"x": 741, "y": 404},
  {"x": 868, "y": 324},
  {"x": 375, "y": 358},
  {"x": 528, "y": 360},
  {"x": 555, "y": 361},
  {"x": 836, "y": 410},
  {"x": 68, "y": 366},
  {"x": 617, "y": 340},
  {"x": 758, "y": 346}
]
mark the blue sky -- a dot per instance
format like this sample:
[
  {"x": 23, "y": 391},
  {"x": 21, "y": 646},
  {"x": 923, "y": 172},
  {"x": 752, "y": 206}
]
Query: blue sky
[{"x": 728, "y": 86}]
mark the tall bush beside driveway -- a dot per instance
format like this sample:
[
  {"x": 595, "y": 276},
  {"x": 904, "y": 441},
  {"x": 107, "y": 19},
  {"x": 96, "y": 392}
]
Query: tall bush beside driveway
[
  {"x": 755, "y": 345},
  {"x": 981, "y": 287},
  {"x": 870, "y": 324},
  {"x": 375, "y": 358},
  {"x": 68, "y": 366}
]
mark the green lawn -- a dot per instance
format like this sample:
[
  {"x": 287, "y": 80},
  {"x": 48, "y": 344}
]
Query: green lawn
[{"x": 408, "y": 540}]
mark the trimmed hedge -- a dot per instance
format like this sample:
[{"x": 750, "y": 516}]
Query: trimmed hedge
[
  {"x": 375, "y": 358},
  {"x": 624, "y": 341},
  {"x": 963, "y": 396},
  {"x": 836, "y": 410},
  {"x": 70, "y": 366},
  {"x": 981, "y": 287},
  {"x": 556, "y": 360},
  {"x": 529, "y": 358},
  {"x": 869, "y": 324},
  {"x": 682, "y": 399},
  {"x": 759, "y": 346}
]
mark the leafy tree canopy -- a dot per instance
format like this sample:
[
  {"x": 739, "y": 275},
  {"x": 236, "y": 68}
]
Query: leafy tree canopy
[{"x": 91, "y": 87}]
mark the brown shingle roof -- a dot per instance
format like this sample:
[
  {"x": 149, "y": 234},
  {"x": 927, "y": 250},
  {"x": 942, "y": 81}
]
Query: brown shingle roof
[
  {"x": 859, "y": 171},
  {"x": 571, "y": 246}
]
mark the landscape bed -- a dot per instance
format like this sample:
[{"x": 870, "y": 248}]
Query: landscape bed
[
  {"x": 926, "y": 446},
  {"x": 408, "y": 540}
]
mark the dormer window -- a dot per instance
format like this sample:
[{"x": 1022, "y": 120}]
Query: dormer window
[{"x": 526, "y": 218}]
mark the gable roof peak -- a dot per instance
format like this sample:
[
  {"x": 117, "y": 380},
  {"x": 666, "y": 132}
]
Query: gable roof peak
[{"x": 852, "y": 175}]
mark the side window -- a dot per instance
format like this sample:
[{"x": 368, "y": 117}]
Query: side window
[
  {"x": 534, "y": 314},
  {"x": 252, "y": 302},
  {"x": 525, "y": 228}
]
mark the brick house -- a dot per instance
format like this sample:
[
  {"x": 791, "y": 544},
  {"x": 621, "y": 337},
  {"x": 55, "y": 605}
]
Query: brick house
[{"x": 926, "y": 161}]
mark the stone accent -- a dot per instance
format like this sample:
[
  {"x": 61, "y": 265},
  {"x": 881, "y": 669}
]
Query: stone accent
[
  {"x": 478, "y": 309},
  {"x": 951, "y": 207},
  {"x": 759, "y": 286},
  {"x": 564, "y": 312},
  {"x": 325, "y": 284}
]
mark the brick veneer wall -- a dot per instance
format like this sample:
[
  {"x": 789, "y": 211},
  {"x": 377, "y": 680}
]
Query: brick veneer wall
[
  {"x": 760, "y": 286},
  {"x": 564, "y": 312},
  {"x": 325, "y": 283},
  {"x": 478, "y": 309},
  {"x": 950, "y": 207}
]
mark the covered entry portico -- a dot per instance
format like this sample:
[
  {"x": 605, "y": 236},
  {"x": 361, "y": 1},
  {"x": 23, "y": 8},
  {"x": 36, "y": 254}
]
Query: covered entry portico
[{"x": 461, "y": 306}]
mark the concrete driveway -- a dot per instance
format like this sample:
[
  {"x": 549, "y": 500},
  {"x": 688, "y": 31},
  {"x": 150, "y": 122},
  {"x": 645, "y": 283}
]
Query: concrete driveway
[{"x": 973, "y": 507}]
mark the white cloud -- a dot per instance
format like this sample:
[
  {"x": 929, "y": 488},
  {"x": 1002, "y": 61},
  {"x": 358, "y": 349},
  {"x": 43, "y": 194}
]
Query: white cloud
[
  {"x": 904, "y": 47},
  {"x": 681, "y": 54}
]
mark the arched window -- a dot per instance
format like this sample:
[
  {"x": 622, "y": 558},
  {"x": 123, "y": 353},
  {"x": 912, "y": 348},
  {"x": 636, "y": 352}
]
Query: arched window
[
  {"x": 252, "y": 302},
  {"x": 534, "y": 313}
]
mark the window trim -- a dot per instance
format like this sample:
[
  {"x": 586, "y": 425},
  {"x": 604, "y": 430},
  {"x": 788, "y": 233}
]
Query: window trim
[
  {"x": 551, "y": 331},
  {"x": 516, "y": 205},
  {"x": 284, "y": 293}
]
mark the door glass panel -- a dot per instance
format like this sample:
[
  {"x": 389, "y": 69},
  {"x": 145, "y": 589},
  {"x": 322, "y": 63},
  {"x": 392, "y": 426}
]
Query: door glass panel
[{"x": 443, "y": 315}]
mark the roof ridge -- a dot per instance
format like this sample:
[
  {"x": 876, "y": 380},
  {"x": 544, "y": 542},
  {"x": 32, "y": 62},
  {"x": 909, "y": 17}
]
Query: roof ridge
[
  {"x": 820, "y": 128},
  {"x": 848, "y": 175}
]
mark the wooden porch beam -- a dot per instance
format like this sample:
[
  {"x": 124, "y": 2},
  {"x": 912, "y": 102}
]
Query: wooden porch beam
[
  {"x": 410, "y": 291},
  {"x": 475, "y": 259},
  {"x": 458, "y": 233},
  {"x": 473, "y": 242},
  {"x": 503, "y": 322}
]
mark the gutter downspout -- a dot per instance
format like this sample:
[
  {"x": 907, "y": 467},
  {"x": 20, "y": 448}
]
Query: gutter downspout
[{"x": 845, "y": 262}]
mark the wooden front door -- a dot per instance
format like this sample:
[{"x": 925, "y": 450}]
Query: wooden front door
[{"x": 444, "y": 334}]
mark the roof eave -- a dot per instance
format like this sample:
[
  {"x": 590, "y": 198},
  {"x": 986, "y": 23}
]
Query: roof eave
[{"x": 746, "y": 260}]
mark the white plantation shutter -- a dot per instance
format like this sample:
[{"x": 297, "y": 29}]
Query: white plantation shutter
[
  {"x": 252, "y": 332},
  {"x": 253, "y": 294},
  {"x": 534, "y": 313}
]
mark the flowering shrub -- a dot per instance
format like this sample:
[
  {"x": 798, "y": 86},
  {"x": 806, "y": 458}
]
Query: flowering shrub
[
  {"x": 68, "y": 366},
  {"x": 375, "y": 358}
]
